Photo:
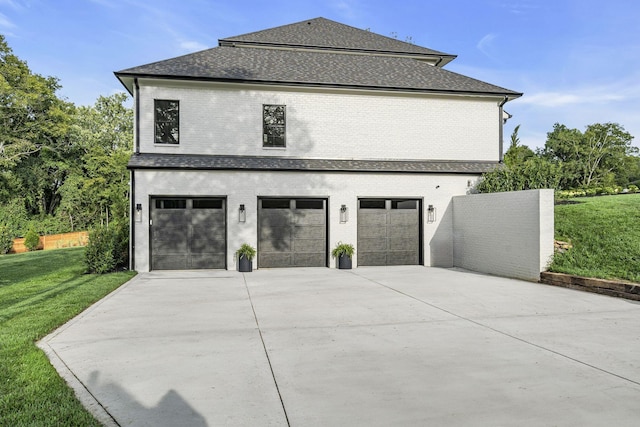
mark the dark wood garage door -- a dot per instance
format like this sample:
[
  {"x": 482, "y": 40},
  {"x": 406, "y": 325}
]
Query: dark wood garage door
[
  {"x": 188, "y": 233},
  {"x": 292, "y": 233},
  {"x": 389, "y": 231}
]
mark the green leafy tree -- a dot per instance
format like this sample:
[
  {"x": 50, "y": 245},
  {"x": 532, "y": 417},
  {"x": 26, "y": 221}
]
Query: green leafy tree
[
  {"x": 596, "y": 157},
  {"x": 34, "y": 124},
  {"x": 97, "y": 188},
  {"x": 32, "y": 117},
  {"x": 522, "y": 170},
  {"x": 517, "y": 154}
]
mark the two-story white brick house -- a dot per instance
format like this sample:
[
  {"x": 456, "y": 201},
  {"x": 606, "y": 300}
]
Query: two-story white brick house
[{"x": 295, "y": 138}]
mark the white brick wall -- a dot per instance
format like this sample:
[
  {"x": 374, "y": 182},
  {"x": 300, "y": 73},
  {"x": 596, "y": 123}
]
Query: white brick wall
[
  {"x": 506, "y": 234},
  {"x": 218, "y": 119},
  {"x": 339, "y": 188}
]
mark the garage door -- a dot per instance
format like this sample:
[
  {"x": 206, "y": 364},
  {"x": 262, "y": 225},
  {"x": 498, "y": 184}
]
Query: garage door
[
  {"x": 389, "y": 231},
  {"x": 188, "y": 233},
  {"x": 292, "y": 233}
]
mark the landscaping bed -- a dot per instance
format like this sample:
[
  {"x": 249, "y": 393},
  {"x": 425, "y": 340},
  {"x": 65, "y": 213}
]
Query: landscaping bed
[{"x": 614, "y": 288}]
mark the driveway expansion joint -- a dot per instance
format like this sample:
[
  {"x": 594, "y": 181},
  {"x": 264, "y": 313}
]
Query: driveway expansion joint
[
  {"x": 475, "y": 322},
  {"x": 266, "y": 352}
]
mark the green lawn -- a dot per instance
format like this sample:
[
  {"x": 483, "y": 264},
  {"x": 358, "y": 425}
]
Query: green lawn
[
  {"x": 40, "y": 291},
  {"x": 605, "y": 233}
]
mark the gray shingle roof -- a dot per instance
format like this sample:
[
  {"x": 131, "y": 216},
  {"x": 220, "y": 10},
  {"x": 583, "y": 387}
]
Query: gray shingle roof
[
  {"x": 337, "y": 66},
  {"x": 323, "y": 33},
  {"x": 315, "y": 69},
  {"x": 261, "y": 163}
]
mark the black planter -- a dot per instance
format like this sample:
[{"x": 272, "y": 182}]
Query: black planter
[
  {"x": 344, "y": 262},
  {"x": 245, "y": 265}
]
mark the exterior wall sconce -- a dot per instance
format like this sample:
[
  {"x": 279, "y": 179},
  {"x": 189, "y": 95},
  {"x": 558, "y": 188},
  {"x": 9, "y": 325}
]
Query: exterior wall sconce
[
  {"x": 431, "y": 214},
  {"x": 242, "y": 214},
  {"x": 138, "y": 214},
  {"x": 344, "y": 214}
]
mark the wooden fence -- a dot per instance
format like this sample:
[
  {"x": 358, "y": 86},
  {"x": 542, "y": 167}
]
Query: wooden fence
[{"x": 54, "y": 241}]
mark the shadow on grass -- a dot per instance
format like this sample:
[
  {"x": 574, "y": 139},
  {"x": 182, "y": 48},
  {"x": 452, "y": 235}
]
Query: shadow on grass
[{"x": 20, "y": 268}]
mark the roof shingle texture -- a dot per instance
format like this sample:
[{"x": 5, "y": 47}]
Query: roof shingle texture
[
  {"x": 327, "y": 34},
  {"x": 264, "y": 163},
  {"x": 307, "y": 67}
]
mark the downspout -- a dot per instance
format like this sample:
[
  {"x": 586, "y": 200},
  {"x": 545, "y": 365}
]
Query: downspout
[
  {"x": 132, "y": 220},
  {"x": 136, "y": 100},
  {"x": 132, "y": 179},
  {"x": 439, "y": 61},
  {"x": 501, "y": 134}
]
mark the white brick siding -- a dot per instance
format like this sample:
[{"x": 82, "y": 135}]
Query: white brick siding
[
  {"x": 506, "y": 234},
  {"x": 227, "y": 120},
  {"x": 339, "y": 188}
]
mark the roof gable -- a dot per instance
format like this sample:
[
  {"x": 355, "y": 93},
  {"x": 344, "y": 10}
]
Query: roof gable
[
  {"x": 318, "y": 53},
  {"x": 324, "y": 34}
]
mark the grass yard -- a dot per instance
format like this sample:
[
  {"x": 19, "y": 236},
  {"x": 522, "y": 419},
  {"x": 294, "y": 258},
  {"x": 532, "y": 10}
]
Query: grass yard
[
  {"x": 40, "y": 291},
  {"x": 605, "y": 233}
]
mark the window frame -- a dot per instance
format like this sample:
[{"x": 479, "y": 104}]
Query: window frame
[
  {"x": 269, "y": 140},
  {"x": 161, "y": 137}
]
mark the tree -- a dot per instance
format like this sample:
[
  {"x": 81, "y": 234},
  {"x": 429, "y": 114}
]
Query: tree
[
  {"x": 517, "y": 154},
  {"x": 522, "y": 170},
  {"x": 96, "y": 190},
  {"x": 594, "y": 157},
  {"x": 31, "y": 115}
]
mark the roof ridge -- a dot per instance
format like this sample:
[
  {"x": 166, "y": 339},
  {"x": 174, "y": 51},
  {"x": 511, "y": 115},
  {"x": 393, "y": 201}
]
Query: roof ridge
[{"x": 325, "y": 34}]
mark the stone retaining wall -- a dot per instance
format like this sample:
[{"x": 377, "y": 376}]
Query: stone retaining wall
[{"x": 600, "y": 286}]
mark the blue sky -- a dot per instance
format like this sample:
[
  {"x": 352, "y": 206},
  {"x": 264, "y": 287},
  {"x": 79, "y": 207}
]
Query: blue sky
[{"x": 576, "y": 61}]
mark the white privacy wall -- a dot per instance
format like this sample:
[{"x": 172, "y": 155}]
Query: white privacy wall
[
  {"x": 217, "y": 119},
  {"x": 505, "y": 234}
]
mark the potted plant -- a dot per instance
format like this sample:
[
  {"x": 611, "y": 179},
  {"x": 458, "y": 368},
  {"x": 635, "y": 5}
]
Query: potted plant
[
  {"x": 245, "y": 256},
  {"x": 343, "y": 253}
]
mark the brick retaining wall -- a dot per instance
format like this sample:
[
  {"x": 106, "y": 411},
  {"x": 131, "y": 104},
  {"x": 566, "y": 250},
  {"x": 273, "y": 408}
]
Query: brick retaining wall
[{"x": 612, "y": 288}]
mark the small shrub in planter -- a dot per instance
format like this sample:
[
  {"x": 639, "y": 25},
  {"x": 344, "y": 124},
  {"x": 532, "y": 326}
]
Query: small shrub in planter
[
  {"x": 31, "y": 240},
  {"x": 343, "y": 252},
  {"x": 245, "y": 256}
]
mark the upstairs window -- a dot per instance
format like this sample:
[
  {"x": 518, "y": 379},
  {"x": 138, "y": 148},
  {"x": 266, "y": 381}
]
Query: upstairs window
[
  {"x": 274, "y": 126},
  {"x": 167, "y": 121}
]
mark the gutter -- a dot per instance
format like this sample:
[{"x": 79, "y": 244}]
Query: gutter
[{"x": 506, "y": 93}]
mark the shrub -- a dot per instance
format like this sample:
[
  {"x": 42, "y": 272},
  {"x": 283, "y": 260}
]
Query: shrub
[
  {"x": 341, "y": 249},
  {"x": 247, "y": 251},
  {"x": 633, "y": 188},
  {"x": 107, "y": 249},
  {"x": 32, "y": 240},
  {"x": 6, "y": 239}
]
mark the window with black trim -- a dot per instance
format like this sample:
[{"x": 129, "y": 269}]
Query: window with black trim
[
  {"x": 273, "y": 125},
  {"x": 167, "y": 121}
]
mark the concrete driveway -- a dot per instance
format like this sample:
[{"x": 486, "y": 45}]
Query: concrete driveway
[{"x": 374, "y": 346}]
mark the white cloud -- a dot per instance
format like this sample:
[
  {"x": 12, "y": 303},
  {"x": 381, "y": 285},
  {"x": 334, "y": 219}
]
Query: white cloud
[
  {"x": 192, "y": 46},
  {"x": 486, "y": 43},
  {"x": 106, "y": 3},
  {"x": 580, "y": 96},
  {"x": 5, "y": 23},
  {"x": 519, "y": 7},
  {"x": 345, "y": 8},
  {"x": 11, "y": 3}
]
